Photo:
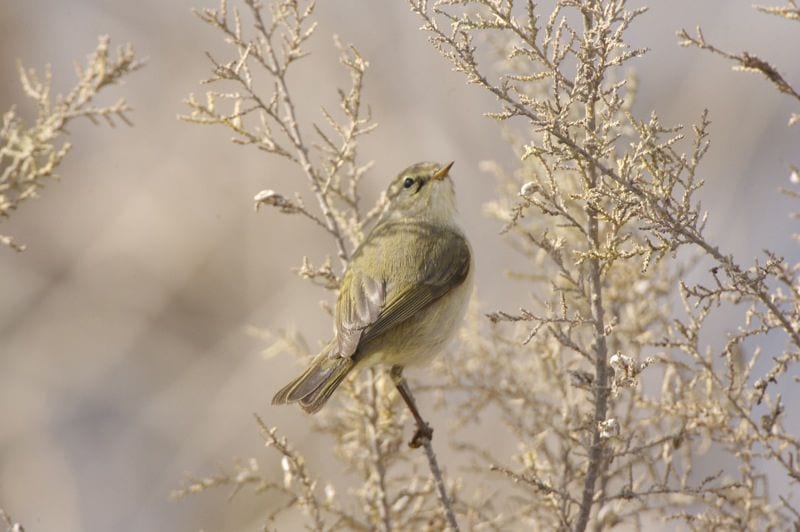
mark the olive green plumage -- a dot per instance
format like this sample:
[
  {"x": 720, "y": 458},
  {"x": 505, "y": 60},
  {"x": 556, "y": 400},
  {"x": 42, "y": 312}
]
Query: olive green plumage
[{"x": 404, "y": 293}]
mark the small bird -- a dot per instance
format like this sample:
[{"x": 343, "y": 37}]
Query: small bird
[{"x": 404, "y": 293}]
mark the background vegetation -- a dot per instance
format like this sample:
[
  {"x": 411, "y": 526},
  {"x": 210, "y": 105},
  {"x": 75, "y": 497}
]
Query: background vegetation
[{"x": 641, "y": 381}]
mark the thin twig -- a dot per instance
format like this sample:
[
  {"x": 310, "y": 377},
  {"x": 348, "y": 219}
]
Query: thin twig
[
  {"x": 293, "y": 132},
  {"x": 384, "y": 509},
  {"x": 423, "y": 437}
]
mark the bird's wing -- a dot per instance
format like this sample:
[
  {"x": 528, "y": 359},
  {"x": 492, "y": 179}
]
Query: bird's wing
[
  {"x": 370, "y": 306},
  {"x": 361, "y": 299}
]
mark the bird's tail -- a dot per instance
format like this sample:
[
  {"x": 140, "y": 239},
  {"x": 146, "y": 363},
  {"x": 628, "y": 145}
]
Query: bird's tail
[{"x": 314, "y": 387}]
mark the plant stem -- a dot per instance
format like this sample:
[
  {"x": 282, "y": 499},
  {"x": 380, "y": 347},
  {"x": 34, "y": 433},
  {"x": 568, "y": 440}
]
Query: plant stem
[
  {"x": 380, "y": 469},
  {"x": 598, "y": 318},
  {"x": 293, "y": 132},
  {"x": 422, "y": 438},
  {"x": 601, "y": 381}
]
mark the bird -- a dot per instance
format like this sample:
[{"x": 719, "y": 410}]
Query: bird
[{"x": 403, "y": 294}]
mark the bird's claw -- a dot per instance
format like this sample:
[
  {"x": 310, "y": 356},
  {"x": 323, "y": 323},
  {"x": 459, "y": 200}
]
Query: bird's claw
[{"x": 424, "y": 434}]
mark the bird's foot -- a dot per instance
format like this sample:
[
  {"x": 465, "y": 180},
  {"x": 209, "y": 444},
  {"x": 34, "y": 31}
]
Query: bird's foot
[{"x": 423, "y": 435}]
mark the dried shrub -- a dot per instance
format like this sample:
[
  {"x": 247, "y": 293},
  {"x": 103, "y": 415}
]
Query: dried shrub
[
  {"x": 606, "y": 380},
  {"x": 31, "y": 154}
]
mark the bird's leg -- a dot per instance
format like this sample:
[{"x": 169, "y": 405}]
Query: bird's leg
[{"x": 424, "y": 431}]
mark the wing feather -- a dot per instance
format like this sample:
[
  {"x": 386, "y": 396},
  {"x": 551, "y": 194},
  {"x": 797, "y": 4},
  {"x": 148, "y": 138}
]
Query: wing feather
[{"x": 368, "y": 306}]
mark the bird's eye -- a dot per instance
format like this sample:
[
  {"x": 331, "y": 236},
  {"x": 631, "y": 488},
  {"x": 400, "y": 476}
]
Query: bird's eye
[{"x": 408, "y": 183}]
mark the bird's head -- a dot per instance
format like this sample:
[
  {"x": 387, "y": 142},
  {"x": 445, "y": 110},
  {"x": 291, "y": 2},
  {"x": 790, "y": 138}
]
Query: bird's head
[{"x": 423, "y": 191}]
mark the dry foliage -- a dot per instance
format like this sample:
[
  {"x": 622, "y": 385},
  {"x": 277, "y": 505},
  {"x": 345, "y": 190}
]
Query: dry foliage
[
  {"x": 30, "y": 154},
  {"x": 610, "y": 381},
  {"x": 367, "y": 425}
]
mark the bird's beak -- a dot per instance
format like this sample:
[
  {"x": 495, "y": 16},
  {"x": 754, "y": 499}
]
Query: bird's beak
[{"x": 443, "y": 171}]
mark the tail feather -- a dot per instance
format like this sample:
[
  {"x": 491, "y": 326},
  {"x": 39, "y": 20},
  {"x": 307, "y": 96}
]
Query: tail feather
[{"x": 314, "y": 387}]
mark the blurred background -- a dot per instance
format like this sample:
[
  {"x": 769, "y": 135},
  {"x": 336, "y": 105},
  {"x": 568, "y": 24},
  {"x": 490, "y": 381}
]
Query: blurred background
[{"x": 125, "y": 360}]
